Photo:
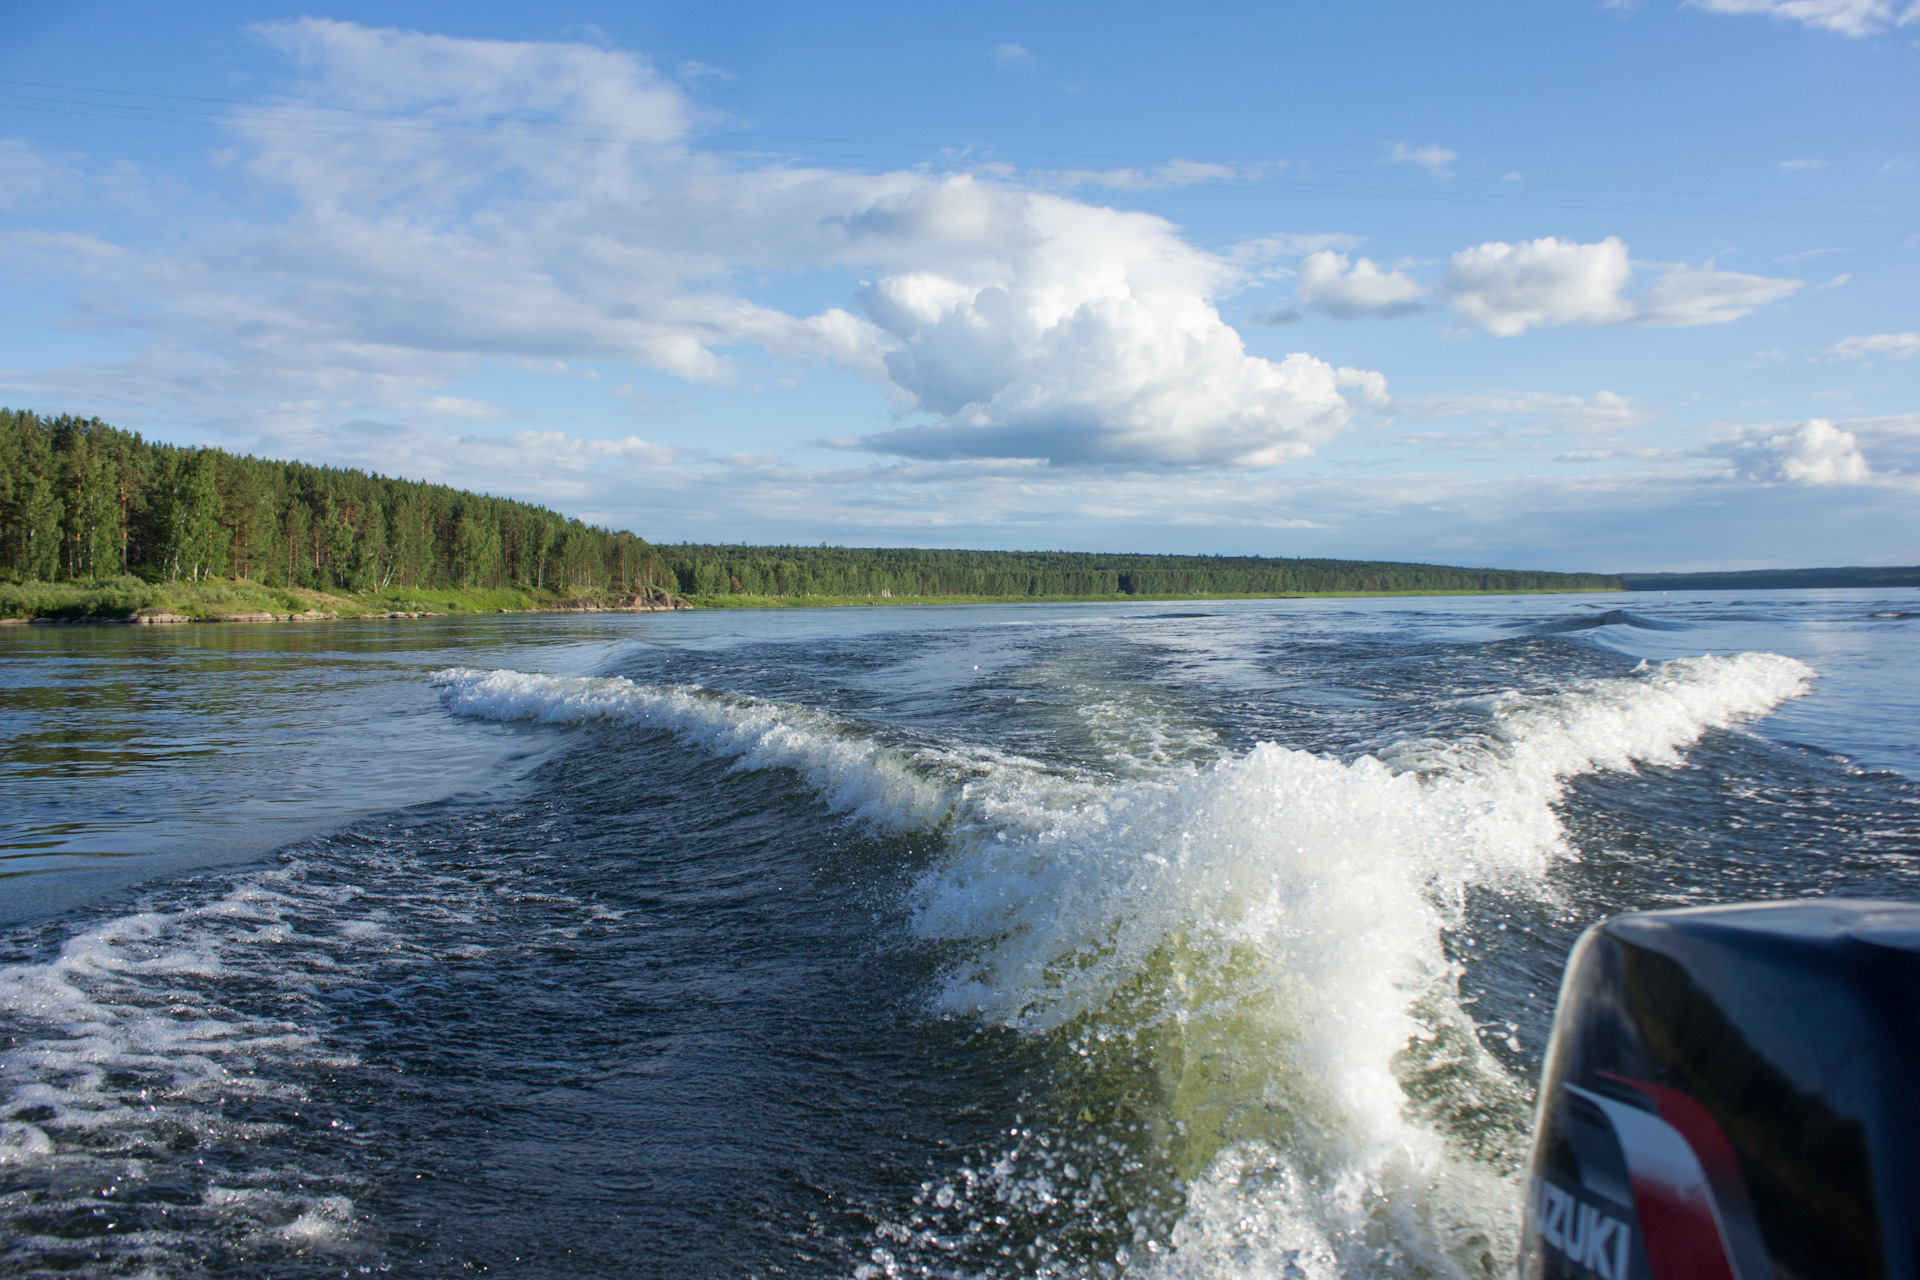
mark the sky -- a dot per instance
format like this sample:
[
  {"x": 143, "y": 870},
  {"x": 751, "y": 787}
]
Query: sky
[{"x": 1589, "y": 286}]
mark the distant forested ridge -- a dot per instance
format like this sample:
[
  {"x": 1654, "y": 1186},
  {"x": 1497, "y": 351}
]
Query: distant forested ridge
[
  {"x": 1774, "y": 579},
  {"x": 82, "y": 501},
  {"x": 849, "y": 571}
]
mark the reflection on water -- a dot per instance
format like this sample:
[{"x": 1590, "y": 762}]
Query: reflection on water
[
  {"x": 130, "y": 751},
  {"x": 133, "y": 751}
]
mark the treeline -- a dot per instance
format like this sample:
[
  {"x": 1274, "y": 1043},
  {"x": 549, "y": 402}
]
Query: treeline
[
  {"x": 845, "y": 571},
  {"x": 1775, "y": 579},
  {"x": 81, "y": 500}
]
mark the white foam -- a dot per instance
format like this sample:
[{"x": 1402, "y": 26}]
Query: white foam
[
  {"x": 892, "y": 788},
  {"x": 1272, "y": 930},
  {"x": 851, "y": 772},
  {"x": 1268, "y": 931},
  {"x": 123, "y": 1048}
]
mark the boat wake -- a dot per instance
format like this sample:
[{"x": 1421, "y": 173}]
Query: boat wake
[{"x": 1241, "y": 967}]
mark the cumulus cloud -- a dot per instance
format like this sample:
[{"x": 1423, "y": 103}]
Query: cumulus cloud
[
  {"x": 1902, "y": 345},
  {"x": 1814, "y": 453},
  {"x": 1855, "y": 18},
  {"x": 541, "y": 205},
  {"x": 1088, "y": 337},
  {"x": 1509, "y": 288},
  {"x": 1369, "y": 388},
  {"x": 1333, "y": 287},
  {"x": 1433, "y": 157}
]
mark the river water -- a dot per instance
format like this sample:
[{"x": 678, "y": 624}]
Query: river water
[{"x": 1165, "y": 940}]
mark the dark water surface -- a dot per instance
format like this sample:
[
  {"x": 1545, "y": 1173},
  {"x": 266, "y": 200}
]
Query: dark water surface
[{"x": 1073, "y": 940}]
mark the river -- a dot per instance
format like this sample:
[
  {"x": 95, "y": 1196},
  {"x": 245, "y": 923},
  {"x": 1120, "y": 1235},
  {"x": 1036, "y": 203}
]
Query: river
[{"x": 1162, "y": 939}]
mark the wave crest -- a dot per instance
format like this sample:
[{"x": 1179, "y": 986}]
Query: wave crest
[{"x": 1259, "y": 944}]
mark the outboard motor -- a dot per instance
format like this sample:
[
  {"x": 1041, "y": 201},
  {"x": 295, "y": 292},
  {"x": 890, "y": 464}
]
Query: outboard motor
[{"x": 1733, "y": 1093}]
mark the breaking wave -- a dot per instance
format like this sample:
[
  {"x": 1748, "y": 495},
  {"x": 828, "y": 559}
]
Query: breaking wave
[{"x": 1244, "y": 962}]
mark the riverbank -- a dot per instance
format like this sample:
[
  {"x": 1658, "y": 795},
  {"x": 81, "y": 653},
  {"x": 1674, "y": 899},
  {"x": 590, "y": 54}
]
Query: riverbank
[
  {"x": 741, "y": 601},
  {"x": 131, "y": 600}
]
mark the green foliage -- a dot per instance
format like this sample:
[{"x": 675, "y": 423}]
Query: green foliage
[
  {"x": 84, "y": 503},
  {"x": 122, "y": 597},
  {"x": 712, "y": 574},
  {"x": 108, "y": 598},
  {"x": 80, "y": 500}
]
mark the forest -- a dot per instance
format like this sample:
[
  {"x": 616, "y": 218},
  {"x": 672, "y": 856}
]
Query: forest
[
  {"x": 895, "y": 572},
  {"x": 82, "y": 501}
]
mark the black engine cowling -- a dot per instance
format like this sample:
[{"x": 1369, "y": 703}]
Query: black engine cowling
[{"x": 1733, "y": 1093}]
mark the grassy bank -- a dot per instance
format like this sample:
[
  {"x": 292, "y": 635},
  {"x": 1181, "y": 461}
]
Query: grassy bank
[
  {"x": 130, "y": 598},
  {"x": 815, "y": 602},
  {"x": 126, "y": 598}
]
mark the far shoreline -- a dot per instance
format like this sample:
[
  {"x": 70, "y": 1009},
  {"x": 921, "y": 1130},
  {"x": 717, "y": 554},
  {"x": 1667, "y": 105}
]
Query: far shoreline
[{"x": 130, "y": 602}]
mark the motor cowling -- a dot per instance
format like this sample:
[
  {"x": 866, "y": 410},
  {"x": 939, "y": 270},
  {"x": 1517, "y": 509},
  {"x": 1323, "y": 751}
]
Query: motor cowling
[{"x": 1733, "y": 1093}]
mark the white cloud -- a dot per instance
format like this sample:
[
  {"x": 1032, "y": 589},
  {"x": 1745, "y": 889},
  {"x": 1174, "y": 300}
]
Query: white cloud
[
  {"x": 1602, "y": 412},
  {"x": 1015, "y": 57},
  {"x": 1174, "y": 173},
  {"x": 1688, "y": 296},
  {"x": 27, "y": 176},
  {"x": 1433, "y": 157},
  {"x": 559, "y": 448},
  {"x": 1087, "y": 336},
  {"x": 1367, "y": 386},
  {"x": 538, "y": 205},
  {"x": 461, "y": 408},
  {"x": 1793, "y": 165},
  {"x": 1509, "y": 288},
  {"x": 1329, "y": 285},
  {"x": 1875, "y": 344},
  {"x": 1258, "y": 251},
  {"x": 1894, "y": 442},
  {"x": 1854, "y": 18},
  {"x": 1814, "y": 453}
]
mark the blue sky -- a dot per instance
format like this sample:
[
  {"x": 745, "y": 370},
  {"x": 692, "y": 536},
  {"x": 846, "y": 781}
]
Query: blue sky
[{"x": 1598, "y": 286}]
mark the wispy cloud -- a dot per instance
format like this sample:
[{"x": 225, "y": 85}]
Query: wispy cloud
[
  {"x": 1902, "y": 345},
  {"x": 1854, "y": 18},
  {"x": 1014, "y": 57},
  {"x": 1433, "y": 157},
  {"x": 1602, "y": 412},
  {"x": 1002, "y": 321},
  {"x": 1174, "y": 173}
]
